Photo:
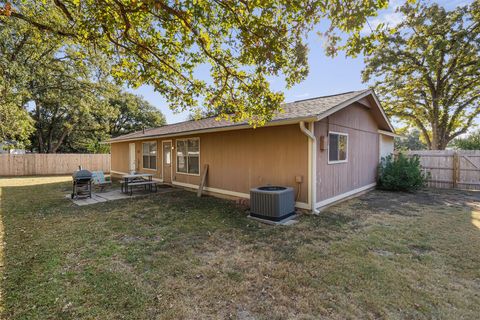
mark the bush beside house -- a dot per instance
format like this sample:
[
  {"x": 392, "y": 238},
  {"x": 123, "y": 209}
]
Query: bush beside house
[{"x": 400, "y": 173}]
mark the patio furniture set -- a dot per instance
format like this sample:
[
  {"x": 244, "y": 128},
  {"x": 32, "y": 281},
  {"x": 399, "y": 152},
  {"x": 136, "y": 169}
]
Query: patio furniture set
[
  {"x": 130, "y": 181},
  {"x": 84, "y": 181}
]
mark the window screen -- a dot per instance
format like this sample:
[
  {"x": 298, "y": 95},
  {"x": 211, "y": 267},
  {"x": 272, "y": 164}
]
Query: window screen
[
  {"x": 337, "y": 147},
  {"x": 149, "y": 155},
  {"x": 188, "y": 154}
]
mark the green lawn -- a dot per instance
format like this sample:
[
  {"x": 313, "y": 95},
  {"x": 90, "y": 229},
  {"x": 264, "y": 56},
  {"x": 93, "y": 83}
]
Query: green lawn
[{"x": 174, "y": 256}]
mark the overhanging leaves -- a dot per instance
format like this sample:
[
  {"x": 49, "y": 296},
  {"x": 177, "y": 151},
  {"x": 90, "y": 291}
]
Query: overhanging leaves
[{"x": 163, "y": 43}]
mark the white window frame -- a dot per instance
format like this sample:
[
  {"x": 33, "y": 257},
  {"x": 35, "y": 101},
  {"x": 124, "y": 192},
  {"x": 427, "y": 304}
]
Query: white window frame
[
  {"x": 156, "y": 155},
  {"x": 176, "y": 157},
  {"x": 328, "y": 155}
]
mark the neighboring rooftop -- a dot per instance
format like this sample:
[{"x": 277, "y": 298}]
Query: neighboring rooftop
[{"x": 301, "y": 109}]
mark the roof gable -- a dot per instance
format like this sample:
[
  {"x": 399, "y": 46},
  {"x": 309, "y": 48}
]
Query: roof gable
[{"x": 369, "y": 99}]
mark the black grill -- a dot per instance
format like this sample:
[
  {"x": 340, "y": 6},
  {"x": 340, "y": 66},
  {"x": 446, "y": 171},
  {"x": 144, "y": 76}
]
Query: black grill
[{"x": 82, "y": 184}]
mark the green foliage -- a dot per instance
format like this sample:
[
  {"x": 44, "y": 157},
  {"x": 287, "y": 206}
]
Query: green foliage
[
  {"x": 471, "y": 142},
  {"x": 427, "y": 70},
  {"x": 132, "y": 113},
  {"x": 400, "y": 173},
  {"x": 72, "y": 105},
  {"x": 121, "y": 113},
  {"x": 15, "y": 124},
  {"x": 163, "y": 43},
  {"x": 410, "y": 140}
]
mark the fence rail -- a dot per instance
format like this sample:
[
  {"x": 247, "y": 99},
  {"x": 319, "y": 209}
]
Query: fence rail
[
  {"x": 458, "y": 169},
  {"x": 51, "y": 164}
]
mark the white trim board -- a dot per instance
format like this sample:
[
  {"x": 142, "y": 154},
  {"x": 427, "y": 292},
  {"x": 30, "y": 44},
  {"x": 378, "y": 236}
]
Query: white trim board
[
  {"x": 221, "y": 191},
  {"x": 342, "y": 196},
  {"x": 328, "y": 147},
  {"x": 301, "y": 205},
  {"x": 390, "y": 134},
  {"x": 374, "y": 95}
]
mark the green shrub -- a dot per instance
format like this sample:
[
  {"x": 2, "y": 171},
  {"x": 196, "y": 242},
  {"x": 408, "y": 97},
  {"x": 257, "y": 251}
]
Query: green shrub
[{"x": 401, "y": 173}]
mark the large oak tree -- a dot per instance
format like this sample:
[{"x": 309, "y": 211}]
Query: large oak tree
[
  {"x": 15, "y": 123},
  {"x": 56, "y": 99},
  {"x": 427, "y": 70},
  {"x": 164, "y": 43},
  {"x": 120, "y": 113}
]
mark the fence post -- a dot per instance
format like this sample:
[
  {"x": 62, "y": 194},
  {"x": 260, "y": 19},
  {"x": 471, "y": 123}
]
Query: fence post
[{"x": 456, "y": 169}]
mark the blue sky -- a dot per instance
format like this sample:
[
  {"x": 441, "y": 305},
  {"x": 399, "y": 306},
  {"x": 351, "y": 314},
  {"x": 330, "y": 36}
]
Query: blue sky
[{"x": 327, "y": 75}]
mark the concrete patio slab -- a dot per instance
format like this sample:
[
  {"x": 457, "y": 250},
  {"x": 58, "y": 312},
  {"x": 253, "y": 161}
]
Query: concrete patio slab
[
  {"x": 113, "y": 195},
  {"x": 86, "y": 201},
  {"x": 285, "y": 222}
]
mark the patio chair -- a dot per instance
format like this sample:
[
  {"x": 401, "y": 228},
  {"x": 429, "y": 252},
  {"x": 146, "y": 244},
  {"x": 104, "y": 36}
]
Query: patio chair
[{"x": 99, "y": 181}]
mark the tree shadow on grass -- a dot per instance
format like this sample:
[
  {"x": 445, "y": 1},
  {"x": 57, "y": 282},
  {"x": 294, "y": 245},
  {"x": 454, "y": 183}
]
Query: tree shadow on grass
[
  {"x": 175, "y": 255},
  {"x": 64, "y": 261}
]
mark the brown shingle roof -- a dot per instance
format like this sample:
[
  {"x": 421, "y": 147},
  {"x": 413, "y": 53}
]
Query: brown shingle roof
[{"x": 293, "y": 110}]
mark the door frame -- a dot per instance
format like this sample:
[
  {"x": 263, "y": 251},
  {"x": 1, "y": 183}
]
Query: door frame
[
  {"x": 171, "y": 160},
  {"x": 134, "y": 156}
]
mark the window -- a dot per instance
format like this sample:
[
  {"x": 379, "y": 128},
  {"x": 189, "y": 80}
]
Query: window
[
  {"x": 149, "y": 155},
  {"x": 337, "y": 147},
  {"x": 188, "y": 154},
  {"x": 167, "y": 150}
]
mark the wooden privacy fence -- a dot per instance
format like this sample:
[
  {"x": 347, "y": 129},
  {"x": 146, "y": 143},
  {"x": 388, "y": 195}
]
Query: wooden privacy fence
[
  {"x": 459, "y": 169},
  {"x": 51, "y": 164}
]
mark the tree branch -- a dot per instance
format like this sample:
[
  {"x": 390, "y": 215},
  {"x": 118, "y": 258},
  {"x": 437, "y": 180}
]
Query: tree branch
[
  {"x": 41, "y": 26},
  {"x": 64, "y": 9}
]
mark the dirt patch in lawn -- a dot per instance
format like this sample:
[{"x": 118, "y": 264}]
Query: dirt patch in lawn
[
  {"x": 174, "y": 256},
  {"x": 405, "y": 203}
]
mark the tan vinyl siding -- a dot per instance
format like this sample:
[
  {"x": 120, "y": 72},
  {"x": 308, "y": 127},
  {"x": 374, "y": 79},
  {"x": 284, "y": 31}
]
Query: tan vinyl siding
[
  {"x": 238, "y": 160},
  {"x": 119, "y": 156},
  {"x": 363, "y": 150}
]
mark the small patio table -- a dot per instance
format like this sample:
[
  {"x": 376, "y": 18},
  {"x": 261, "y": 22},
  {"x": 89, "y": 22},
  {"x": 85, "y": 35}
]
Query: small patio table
[{"x": 132, "y": 177}]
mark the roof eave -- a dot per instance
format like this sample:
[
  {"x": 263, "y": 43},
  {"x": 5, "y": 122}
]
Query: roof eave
[
  {"x": 377, "y": 101},
  {"x": 219, "y": 129},
  {"x": 390, "y": 134}
]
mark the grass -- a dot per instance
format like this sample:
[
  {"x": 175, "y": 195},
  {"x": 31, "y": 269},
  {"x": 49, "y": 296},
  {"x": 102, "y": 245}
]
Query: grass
[{"x": 174, "y": 256}]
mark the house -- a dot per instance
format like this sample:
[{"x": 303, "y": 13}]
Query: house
[
  {"x": 327, "y": 148},
  {"x": 8, "y": 147}
]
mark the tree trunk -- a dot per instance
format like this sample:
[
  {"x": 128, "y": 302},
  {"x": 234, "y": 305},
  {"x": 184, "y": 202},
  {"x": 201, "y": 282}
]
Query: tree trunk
[
  {"x": 444, "y": 142},
  {"x": 437, "y": 145},
  {"x": 60, "y": 140},
  {"x": 50, "y": 138},
  {"x": 439, "y": 139},
  {"x": 39, "y": 127}
]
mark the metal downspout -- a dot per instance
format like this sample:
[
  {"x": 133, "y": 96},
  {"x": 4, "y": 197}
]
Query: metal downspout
[{"x": 313, "y": 165}]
